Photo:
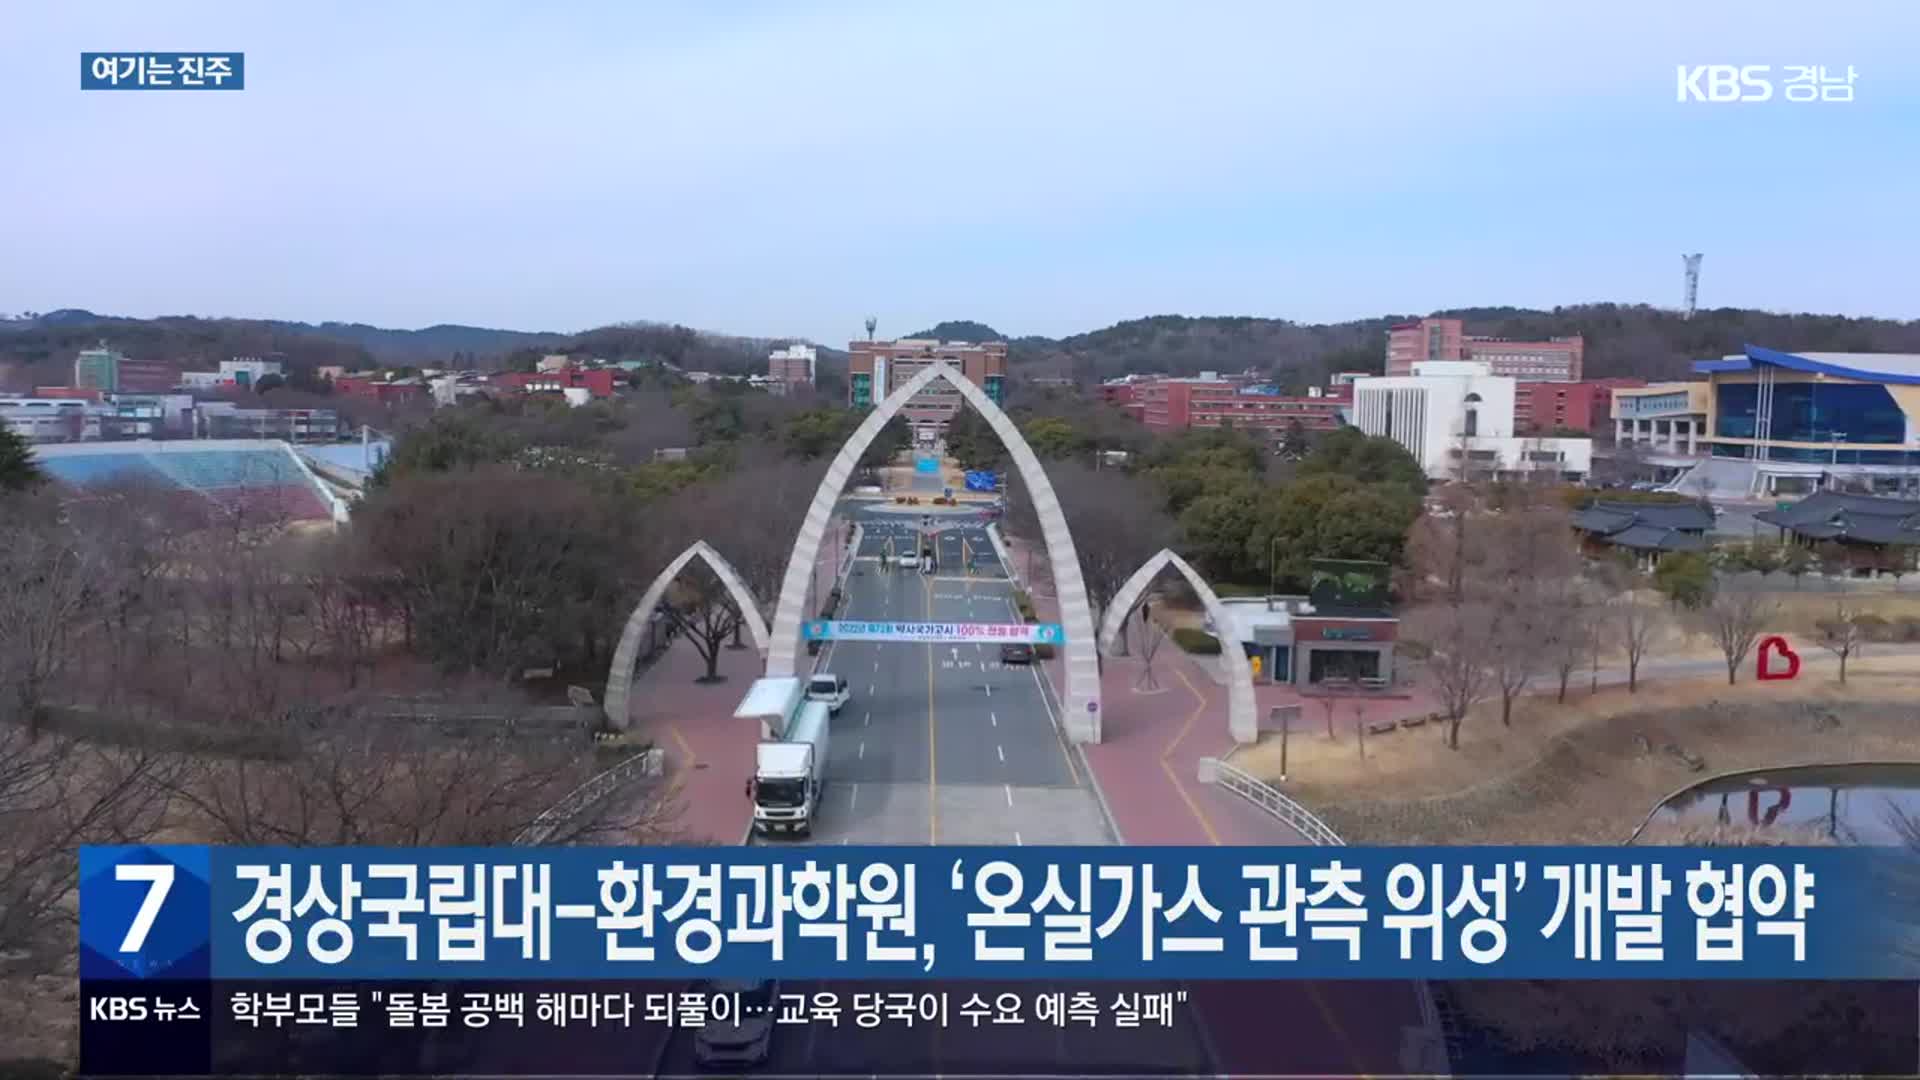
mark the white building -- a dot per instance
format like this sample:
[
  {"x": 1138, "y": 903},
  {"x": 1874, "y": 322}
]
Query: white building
[{"x": 1456, "y": 418}]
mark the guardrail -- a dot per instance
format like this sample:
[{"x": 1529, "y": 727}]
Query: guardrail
[
  {"x": 1268, "y": 798},
  {"x": 647, "y": 762}
]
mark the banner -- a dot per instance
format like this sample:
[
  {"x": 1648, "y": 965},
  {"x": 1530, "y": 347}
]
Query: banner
[
  {"x": 1012, "y": 633},
  {"x": 673, "y": 961},
  {"x": 746, "y": 913}
]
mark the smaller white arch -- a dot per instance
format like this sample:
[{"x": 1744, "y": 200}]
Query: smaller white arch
[
  {"x": 1243, "y": 718},
  {"x": 620, "y": 675}
]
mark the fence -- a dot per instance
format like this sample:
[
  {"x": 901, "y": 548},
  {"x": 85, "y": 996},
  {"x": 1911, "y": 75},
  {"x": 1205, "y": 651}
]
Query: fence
[
  {"x": 1266, "y": 797},
  {"x": 647, "y": 762}
]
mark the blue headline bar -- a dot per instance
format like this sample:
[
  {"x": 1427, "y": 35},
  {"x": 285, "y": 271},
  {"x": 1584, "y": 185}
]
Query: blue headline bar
[{"x": 1187, "y": 913}]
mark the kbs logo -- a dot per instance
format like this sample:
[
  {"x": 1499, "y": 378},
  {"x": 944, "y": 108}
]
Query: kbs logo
[{"x": 1725, "y": 82}]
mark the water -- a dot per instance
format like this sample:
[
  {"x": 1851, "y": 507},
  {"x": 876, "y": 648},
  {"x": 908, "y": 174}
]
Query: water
[{"x": 1853, "y": 804}]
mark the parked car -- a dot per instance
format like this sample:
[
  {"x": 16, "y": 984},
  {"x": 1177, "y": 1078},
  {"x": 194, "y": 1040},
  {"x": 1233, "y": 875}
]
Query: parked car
[
  {"x": 1016, "y": 652},
  {"x": 744, "y": 1041}
]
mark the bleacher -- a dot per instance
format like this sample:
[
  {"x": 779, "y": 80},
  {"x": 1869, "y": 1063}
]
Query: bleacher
[{"x": 259, "y": 477}]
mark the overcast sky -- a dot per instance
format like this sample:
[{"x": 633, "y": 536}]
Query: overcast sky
[{"x": 790, "y": 168}]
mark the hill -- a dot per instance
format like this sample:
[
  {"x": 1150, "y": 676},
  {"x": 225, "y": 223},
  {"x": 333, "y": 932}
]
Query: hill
[
  {"x": 1621, "y": 339},
  {"x": 965, "y": 330}
]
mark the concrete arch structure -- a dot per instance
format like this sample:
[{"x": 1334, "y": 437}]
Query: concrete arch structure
[
  {"x": 1081, "y": 714},
  {"x": 1243, "y": 717},
  {"x": 620, "y": 676}
]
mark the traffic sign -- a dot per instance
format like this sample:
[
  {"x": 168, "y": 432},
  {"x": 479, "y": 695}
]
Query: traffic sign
[{"x": 1006, "y": 633}]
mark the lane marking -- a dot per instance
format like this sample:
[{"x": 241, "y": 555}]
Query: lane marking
[
  {"x": 1046, "y": 702},
  {"x": 1002, "y": 751},
  {"x": 866, "y": 718},
  {"x": 989, "y": 689},
  {"x": 1017, "y": 841},
  {"x": 1166, "y": 764},
  {"x": 869, "y": 689},
  {"x": 853, "y": 799},
  {"x": 862, "y": 753},
  {"x": 933, "y": 731},
  {"x": 1009, "y": 788},
  {"x": 994, "y": 719}
]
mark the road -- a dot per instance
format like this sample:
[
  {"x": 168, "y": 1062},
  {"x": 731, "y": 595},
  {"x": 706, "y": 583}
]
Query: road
[{"x": 943, "y": 744}]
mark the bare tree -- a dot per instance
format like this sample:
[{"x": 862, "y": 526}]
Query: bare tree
[
  {"x": 1118, "y": 522},
  {"x": 48, "y": 582},
  {"x": 700, "y": 606},
  {"x": 1841, "y": 635},
  {"x": 1638, "y": 628},
  {"x": 1529, "y": 579},
  {"x": 1569, "y": 634},
  {"x": 1734, "y": 618},
  {"x": 1461, "y": 643}
]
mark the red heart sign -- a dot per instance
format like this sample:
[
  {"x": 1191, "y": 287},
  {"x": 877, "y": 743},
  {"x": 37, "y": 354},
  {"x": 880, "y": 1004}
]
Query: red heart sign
[{"x": 1766, "y": 670}]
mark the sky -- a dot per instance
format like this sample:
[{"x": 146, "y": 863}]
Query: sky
[{"x": 789, "y": 168}]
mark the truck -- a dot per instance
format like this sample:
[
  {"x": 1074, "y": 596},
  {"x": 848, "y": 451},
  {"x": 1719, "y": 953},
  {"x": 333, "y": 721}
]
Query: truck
[
  {"x": 790, "y": 772},
  {"x": 772, "y": 701}
]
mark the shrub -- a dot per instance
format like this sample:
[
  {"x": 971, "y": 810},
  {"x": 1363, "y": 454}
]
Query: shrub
[
  {"x": 1198, "y": 642},
  {"x": 1043, "y": 652},
  {"x": 1874, "y": 628},
  {"x": 1024, "y": 603}
]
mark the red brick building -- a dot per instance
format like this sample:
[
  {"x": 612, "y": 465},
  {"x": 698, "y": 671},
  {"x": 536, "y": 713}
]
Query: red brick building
[
  {"x": 1173, "y": 405},
  {"x": 1560, "y": 359},
  {"x": 386, "y": 393},
  {"x": 1540, "y": 407},
  {"x": 596, "y": 381}
]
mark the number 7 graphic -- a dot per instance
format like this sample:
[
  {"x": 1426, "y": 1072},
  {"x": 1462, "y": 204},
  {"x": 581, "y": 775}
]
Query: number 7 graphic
[{"x": 160, "y": 875}]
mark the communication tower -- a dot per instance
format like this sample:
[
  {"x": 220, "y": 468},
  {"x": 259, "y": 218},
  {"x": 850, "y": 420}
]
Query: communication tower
[
  {"x": 1693, "y": 282},
  {"x": 871, "y": 323}
]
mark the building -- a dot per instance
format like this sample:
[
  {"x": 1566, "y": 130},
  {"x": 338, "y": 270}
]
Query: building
[
  {"x": 225, "y": 420},
  {"x": 789, "y": 367},
  {"x": 1871, "y": 525},
  {"x": 1662, "y": 418},
  {"x": 51, "y": 420},
  {"x": 1423, "y": 341},
  {"x": 1645, "y": 530},
  {"x": 1792, "y": 423},
  {"x": 1543, "y": 407},
  {"x": 1457, "y": 420},
  {"x": 1336, "y": 634},
  {"x": 97, "y": 369},
  {"x": 877, "y": 368},
  {"x": 384, "y": 391},
  {"x": 247, "y": 371},
  {"x": 147, "y": 377},
  {"x": 597, "y": 382},
  {"x": 1559, "y": 359},
  {"x": 1173, "y": 405}
]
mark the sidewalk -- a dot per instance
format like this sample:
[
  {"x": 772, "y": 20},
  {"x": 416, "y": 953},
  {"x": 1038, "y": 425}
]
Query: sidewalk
[
  {"x": 1146, "y": 767},
  {"x": 709, "y": 753}
]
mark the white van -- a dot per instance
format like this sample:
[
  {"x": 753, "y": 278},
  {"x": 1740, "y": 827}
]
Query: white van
[{"x": 831, "y": 689}]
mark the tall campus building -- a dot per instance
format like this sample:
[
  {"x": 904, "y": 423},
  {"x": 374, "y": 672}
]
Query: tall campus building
[{"x": 877, "y": 368}]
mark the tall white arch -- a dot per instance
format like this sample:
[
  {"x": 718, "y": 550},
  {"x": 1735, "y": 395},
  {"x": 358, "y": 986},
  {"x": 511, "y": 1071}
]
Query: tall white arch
[
  {"x": 1081, "y": 716},
  {"x": 1243, "y": 717},
  {"x": 620, "y": 676}
]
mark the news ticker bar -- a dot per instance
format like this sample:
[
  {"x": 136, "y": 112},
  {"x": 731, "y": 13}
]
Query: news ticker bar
[
  {"x": 1008, "y": 1028},
  {"x": 970, "y": 913}
]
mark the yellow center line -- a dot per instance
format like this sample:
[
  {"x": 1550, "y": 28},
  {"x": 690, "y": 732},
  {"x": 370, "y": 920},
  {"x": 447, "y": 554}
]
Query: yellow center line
[
  {"x": 1166, "y": 763},
  {"x": 933, "y": 735},
  {"x": 1319, "y": 1002}
]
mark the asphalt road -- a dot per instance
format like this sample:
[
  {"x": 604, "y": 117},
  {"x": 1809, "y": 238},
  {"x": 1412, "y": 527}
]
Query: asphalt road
[{"x": 944, "y": 744}]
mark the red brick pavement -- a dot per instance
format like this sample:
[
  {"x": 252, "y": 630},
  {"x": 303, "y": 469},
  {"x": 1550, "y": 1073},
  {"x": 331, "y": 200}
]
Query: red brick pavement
[
  {"x": 709, "y": 753},
  {"x": 1146, "y": 766}
]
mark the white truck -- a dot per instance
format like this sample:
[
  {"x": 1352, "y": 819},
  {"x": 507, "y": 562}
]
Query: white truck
[{"x": 790, "y": 773}]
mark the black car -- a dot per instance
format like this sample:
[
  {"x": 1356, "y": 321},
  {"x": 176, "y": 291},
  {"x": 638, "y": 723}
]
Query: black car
[{"x": 1016, "y": 653}]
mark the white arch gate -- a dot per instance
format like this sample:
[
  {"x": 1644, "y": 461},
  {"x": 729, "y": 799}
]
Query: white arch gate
[
  {"x": 1243, "y": 719},
  {"x": 620, "y": 676},
  {"x": 1082, "y": 707}
]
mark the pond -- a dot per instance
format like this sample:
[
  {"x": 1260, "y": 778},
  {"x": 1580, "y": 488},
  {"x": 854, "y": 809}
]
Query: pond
[{"x": 1853, "y": 804}]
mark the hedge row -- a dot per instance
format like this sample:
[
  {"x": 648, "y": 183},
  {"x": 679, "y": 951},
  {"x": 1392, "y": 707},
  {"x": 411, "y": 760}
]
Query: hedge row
[{"x": 1198, "y": 642}]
